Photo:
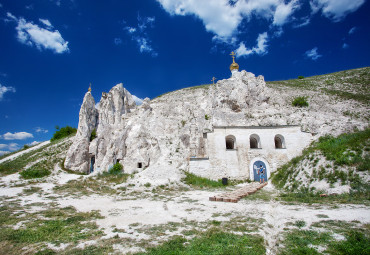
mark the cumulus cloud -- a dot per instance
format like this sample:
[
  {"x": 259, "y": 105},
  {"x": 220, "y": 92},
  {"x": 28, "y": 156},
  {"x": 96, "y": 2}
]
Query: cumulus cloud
[
  {"x": 9, "y": 147},
  {"x": 137, "y": 100},
  {"x": 352, "y": 30},
  {"x": 223, "y": 17},
  {"x": 336, "y": 10},
  {"x": 41, "y": 130},
  {"x": 259, "y": 49},
  {"x": 46, "y": 23},
  {"x": 4, "y": 89},
  {"x": 313, "y": 54},
  {"x": 41, "y": 37},
  {"x": 34, "y": 143},
  {"x": 16, "y": 136},
  {"x": 140, "y": 36},
  {"x": 4, "y": 152}
]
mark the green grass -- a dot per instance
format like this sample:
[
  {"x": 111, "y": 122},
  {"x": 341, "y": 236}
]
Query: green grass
[
  {"x": 356, "y": 243},
  {"x": 350, "y": 150},
  {"x": 197, "y": 181},
  {"x": 211, "y": 242},
  {"x": 55, "y": 225},
  {"x": 33, "y": 172},
  {"x": 302, "y": 241},
  {"x": 49, "y": 152},
  {"x": 300, "y": 102},
  {"x": 349, "y": 84}
]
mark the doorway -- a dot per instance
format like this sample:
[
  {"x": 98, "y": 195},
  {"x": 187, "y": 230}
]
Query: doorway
[{"x": 257, "y": 165}]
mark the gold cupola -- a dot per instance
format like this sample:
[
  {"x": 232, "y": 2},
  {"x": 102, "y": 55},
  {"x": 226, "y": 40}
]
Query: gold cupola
[{"x": 234, "y": 66}]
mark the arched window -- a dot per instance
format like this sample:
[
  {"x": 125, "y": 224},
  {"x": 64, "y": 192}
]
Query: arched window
[
  {"x": 279, "y": 142},
  {"x": 230, "y": 142},
  {"x": 254, "y": 142}
]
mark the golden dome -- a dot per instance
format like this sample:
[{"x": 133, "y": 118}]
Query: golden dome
[{"x": 234, "y": 66}]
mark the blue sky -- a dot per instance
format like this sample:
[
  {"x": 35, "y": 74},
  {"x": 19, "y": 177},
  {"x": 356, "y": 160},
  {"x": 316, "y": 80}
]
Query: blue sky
[{"x": 50, "y": 50}]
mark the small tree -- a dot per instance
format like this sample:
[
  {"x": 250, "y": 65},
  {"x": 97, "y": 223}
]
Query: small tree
[
  {"x": 116, "y": 169},
  {"x": 300, "y": 77}
]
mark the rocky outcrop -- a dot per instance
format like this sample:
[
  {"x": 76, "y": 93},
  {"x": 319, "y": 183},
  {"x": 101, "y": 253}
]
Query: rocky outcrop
[
  {"x": 168, "y": 130},
  {"x": 77, "y": 158}
]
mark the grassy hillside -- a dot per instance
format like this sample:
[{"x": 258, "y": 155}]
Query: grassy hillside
[
  {"x": 330, "y": 165},
  {"x": 36, "y": 162},
  {"x": 350, "y": 84}
]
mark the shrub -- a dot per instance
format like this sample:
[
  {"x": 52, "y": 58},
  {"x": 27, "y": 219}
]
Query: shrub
[
  {"x": 300, "y": 102},
  {"x": 206, "y": 117},
  {"x": 300, "y": 77},
  {"x": 63, "y": 132},
  {"x": 93, "y": 135},
  {"x": 32, "y": 173},
  {"x": 116, "y": 169}
]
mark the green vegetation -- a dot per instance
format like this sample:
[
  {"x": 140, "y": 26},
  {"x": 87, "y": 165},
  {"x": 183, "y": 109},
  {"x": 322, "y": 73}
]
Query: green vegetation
[
  {"x": 300, "y": 102},
  {"x": 32, "y": 173},
  {"x": 206, "y": 117},
  {"x": 53, "y": 225},
  {"x": 300, "y": 77},
  {"x": 197, "y": 181},
  {"x": 63, "y": 132},
  {"x": 349, "y": 84},
  {"x": 322, "y": 238},
  {"x": 93, "y": 135},
  {"x": 211, "y": 242},
  {"x": 350, "y": 150},
  {"x": 302, "y": 241},
  {"x": 116, "y": 169},
  {"x": 49, "y": 152}
]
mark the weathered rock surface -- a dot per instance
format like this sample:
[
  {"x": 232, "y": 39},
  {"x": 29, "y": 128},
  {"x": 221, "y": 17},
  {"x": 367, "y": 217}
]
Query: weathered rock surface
[
  {"x": 166, "y": 131},
  {"x": 77, "y": 158}
]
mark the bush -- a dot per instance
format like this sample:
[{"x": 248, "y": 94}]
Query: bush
[
  {"x": 116, "y": 169},
  {"x": 63, "y": 132},
  {"x": 300, "y": 102},
  {"x": 300, "y": 77},
  {"x": 206, "y": 117},
  {"x": 93, "y": 135},
  {"x": 32, "y": 173}
]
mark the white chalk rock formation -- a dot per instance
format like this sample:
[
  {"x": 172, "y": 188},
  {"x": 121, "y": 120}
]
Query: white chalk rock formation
[
  {"x": 77, "y": 158},
  {"x": 166, "y": 131}
]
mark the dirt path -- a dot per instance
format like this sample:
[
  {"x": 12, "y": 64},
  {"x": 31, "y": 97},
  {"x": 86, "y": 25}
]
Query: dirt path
[{"x": 137, "y": 211}]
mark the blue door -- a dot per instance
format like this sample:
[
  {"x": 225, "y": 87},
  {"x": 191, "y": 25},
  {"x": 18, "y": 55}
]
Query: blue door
[
  {"x": 92, "y": 164},
  {"x": 257, "y": 166}
]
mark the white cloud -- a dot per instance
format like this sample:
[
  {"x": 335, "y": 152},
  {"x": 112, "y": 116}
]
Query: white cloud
[
  {"x": 117, "y": 41},
  {"x": 1, "y": 6},
  {"x": 303, "y": 22},
  {"x": 260, "y": 48},
  {"x": 336, "y": 10},
  {"x": 4, "y": 89},
  {"x": 16, "y": 136},
  {"x": 13, "y": 146},
  {"x": 224, "y": 17},
  {"x": 283, "y": 12},
  {"x": 352, "y": 30},
  {"x": 41, "y": 130},
  {"x": 313, "y": 54},
  {"x": 345, "y": 46},
  {"x": 43, "y": 38},
  {"x": 9, "y": 147},
  {"x": 34, "y": 143},
  {"x": 140, "y": 36},
  {"x": 46, "y": 22},
  {"x": 137, "y": 100},
  {"x": 3, "y": 152}
]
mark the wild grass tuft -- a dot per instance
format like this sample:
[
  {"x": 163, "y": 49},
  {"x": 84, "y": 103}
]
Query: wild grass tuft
[{"x": 197, "y": 181}]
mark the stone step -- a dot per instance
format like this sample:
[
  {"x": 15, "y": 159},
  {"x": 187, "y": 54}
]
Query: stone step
[{"x": 236, "y": 195}]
